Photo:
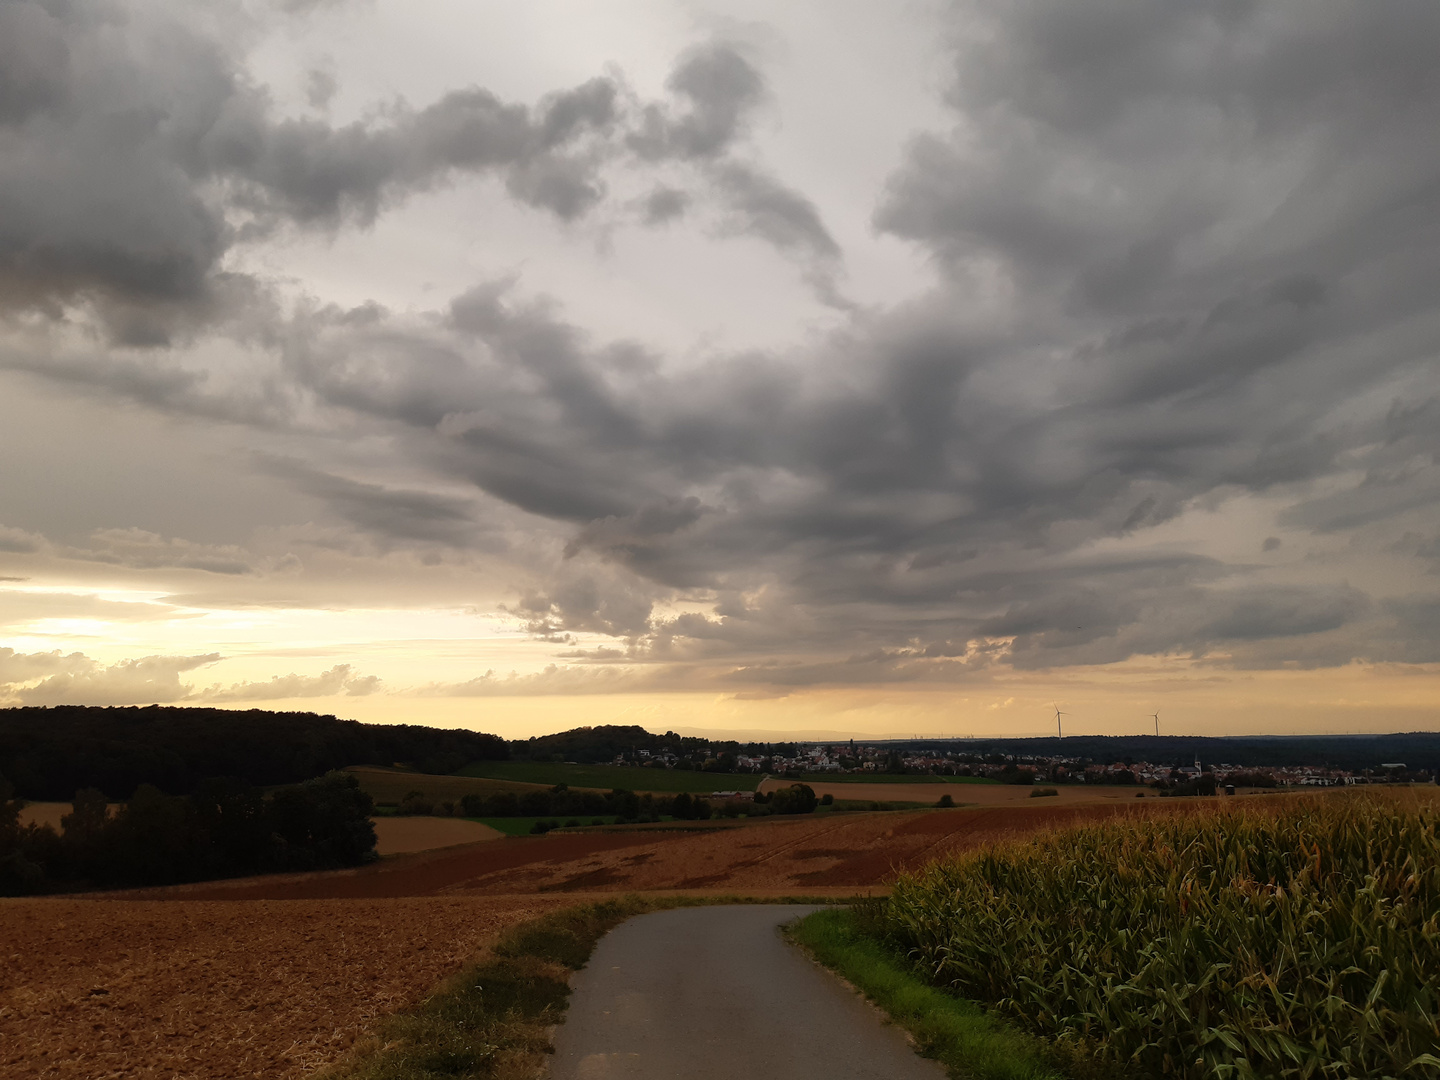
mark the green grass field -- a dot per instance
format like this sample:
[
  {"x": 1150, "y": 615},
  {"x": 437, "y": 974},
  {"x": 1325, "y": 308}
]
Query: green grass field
[
  {"x": 611, "y": 777},
  {"x": 897, "y": 778}
]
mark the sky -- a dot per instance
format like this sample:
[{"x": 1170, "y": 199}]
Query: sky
[{"x": 803, "y": 369}]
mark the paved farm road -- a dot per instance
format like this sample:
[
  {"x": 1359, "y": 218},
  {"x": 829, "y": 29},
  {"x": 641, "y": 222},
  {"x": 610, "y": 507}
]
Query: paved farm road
[{"x": 697, "y": 993}]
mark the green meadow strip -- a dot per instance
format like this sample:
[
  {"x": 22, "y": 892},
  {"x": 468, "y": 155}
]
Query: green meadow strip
[{"x": 957, "y": 1033}]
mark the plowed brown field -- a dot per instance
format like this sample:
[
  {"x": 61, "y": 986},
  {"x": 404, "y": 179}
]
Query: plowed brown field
[
  {"x": 99, "y": 989},
  {"x": 275, "y": 977}
]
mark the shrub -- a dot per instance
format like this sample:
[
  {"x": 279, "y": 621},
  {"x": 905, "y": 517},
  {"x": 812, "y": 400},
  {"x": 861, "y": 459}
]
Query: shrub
[
  {"x": 415, "y": 803},
  {"x": 795, "y": 799},
  {"x": 948, "y": 801},
  {"x": 1043, "y": 792}
]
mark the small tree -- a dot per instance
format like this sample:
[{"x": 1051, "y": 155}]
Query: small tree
[{"x": 795, "y": 799}]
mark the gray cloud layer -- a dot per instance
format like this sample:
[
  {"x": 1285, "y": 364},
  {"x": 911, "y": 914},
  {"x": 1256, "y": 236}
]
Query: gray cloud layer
[
  {"x": 135, "y": 152},
  {"x": 1185, "y": 252}
]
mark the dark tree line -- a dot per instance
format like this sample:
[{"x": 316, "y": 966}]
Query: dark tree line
[
  {"x": 560, "y": 801},
  {"x": 225, "y": 828},
  {"x": 49, "y": 754},
  {"x": 623, "y": 805}
]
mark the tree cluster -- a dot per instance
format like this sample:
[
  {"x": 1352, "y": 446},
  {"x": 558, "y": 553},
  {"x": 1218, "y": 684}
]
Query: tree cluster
[
  {"x": 624, "y": 806},
  {"x": 592, "y": 745},
  {"x": 49, "y": 754},
  {"x": 225, "y": 828},
  {"x": 795, "y": 799},
  {"x": 560, "y": 801},
  {"x": 634, "y": 745}
]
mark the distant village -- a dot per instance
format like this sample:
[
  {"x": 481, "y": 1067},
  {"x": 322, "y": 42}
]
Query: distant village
[{"x": 1192, "y": 777}]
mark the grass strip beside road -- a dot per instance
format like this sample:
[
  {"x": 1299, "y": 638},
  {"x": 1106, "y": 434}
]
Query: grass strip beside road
[
  {"x": 957, "y": 1033},
  {"x": 493, "y": 1019}
]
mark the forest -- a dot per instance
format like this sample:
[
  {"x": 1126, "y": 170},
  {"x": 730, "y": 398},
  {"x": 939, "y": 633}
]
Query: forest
[
  {"x": 48, "y": 754},
  {"x": 224, "y": 828}
]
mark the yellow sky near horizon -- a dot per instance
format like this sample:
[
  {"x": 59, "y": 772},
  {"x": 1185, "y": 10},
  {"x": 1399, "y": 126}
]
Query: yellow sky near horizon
[
  {"x": 419, "y": 666},
  {"x": 412, "y": 666}
]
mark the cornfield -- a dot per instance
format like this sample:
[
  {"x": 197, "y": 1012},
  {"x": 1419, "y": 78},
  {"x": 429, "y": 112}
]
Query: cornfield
[{"x": 1294, "y": 941}]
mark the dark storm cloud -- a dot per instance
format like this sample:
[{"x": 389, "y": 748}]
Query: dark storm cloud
[
  {"x": 135, "y": 153},
  {"x": 128, "y": 144},
  {"x": 719, "y": 88},
  {"x": 1184, "y": 251},
  {"x": 663, "y": 205},
  {"x": 384, "y": 512},
  {"x": 719, "y": 91},
  {"x": 18, "y": 541},
  {"x": 773, "y": 212}
]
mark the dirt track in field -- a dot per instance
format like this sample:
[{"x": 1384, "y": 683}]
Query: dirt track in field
[{"x": 275, "y": 977}]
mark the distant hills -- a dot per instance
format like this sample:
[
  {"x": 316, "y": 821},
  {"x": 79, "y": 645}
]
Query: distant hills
[
  {"x": 50, "y": 753},
  {"x": 1418, "y": 749},
  {"x": 589, "y": 745}
]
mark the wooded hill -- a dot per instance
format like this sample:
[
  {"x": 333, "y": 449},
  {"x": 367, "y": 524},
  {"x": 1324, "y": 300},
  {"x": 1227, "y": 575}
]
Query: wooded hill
[{"x": 50, "y": 753}]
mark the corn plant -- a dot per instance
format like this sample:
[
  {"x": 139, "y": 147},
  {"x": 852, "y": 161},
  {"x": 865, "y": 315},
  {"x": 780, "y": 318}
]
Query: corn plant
[{"x": 1294, "y": 941}]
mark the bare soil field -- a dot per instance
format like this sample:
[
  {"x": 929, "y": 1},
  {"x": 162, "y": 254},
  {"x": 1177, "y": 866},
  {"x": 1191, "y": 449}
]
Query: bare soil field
[
  {"x": 97, "y": 989},
  {"x": 44, "y": 813},
  {"x": 835, "y": 853},
  {"x": 402, "y": 835}
]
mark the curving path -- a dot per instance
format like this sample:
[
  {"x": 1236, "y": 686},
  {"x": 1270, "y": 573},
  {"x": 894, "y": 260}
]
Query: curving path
[{"x": 697, "y": 993}]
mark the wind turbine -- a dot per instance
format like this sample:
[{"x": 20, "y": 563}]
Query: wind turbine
[
  {"x": 1059, "y": 733},
  {"x": 1156, "y": 715}
]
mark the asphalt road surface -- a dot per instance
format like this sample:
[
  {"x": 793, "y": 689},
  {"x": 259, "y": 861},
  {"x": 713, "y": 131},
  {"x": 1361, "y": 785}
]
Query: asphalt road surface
[{"x": 697, "y": 993}]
